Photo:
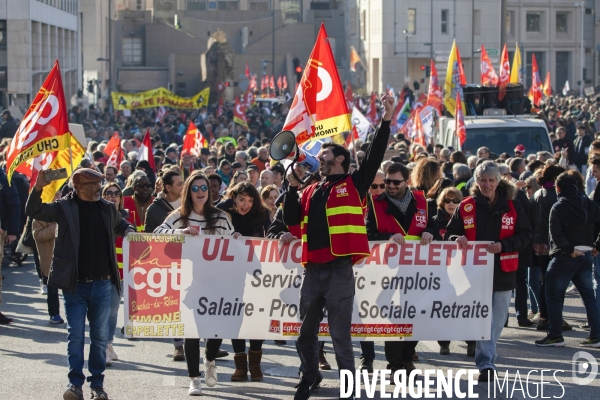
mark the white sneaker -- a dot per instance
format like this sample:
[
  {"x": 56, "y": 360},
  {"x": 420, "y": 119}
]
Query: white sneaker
[
  {"x": 536, "y": 318},
  {"x": 530, "y": 315},
  {"x": 210, "y": 373},
  {"x": 572, "y": 290},
  {"x": 110, "y": 353},
  {"x": 195, "y": 389},
  {"x": 43, "y": 288},
  {"x": 108, "y": 359}
]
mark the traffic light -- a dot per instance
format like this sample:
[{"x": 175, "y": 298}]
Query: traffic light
[
  {"x": 226, "y": 83},
  {"x": 297, "y": 69},
  {"x": 423, "y": 67},
  {"x": 90, "y": 87},
  {"x": 427, "y": 71},
  {"x": 416, "y": 85}
]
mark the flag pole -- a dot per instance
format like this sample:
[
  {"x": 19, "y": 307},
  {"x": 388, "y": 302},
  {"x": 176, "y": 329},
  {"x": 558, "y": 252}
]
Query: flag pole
[{"x": 354, "y": 147}]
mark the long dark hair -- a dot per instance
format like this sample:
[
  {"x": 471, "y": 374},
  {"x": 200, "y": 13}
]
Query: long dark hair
[
  {"x": 187, "y": 205},
  {"x": 258, "y": 213}
]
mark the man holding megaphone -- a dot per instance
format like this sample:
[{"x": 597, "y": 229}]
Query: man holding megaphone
[{"x": 334, "y": 238}]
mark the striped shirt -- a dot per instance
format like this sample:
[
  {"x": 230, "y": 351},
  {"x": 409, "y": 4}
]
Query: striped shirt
[{"x": 174, "y": 224}]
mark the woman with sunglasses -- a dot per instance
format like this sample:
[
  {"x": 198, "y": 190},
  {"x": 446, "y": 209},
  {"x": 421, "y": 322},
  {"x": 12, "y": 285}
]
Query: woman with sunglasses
[
  {"x": 197, "y": 215},
  {"x": 113, "y": 194},
  {"x": 140, "y": 201},
  {"x": 378, "y": 186},
  {"x": 250, "y": 218},
  {"x": 447, "y": 202}
]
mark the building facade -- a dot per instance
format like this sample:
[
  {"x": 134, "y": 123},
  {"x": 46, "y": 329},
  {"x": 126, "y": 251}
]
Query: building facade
[{"x": 33, "y": 34}]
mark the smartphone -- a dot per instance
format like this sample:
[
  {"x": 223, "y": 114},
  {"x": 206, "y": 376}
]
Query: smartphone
[{"x": 56, "y": 174}]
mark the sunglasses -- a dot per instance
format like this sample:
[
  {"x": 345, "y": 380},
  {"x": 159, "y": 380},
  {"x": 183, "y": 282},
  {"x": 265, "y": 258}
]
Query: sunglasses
[
  {"x": 455, "y": 201},
  {"x": 380, "y": 186},
  {"x": 396, "y": 182},
  {"x": 196, "y": 188},
  {"x": 144, "y": 185},
  {"x": 112, "y": 194}
]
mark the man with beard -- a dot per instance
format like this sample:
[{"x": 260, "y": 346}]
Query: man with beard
[
  {"x": 139, "y": 202},
  {"x": 399, "y": 214},
  {"x": 332, "y": 223},
  {"x": 85, "y": 268},
  {"x": 262, "y": 159},
  {"x": 242, "y": 143}
]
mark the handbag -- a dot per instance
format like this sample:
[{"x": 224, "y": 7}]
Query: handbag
[{"x": 27, "y": 236}]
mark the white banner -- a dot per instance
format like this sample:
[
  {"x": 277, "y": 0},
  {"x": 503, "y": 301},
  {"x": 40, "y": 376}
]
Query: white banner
[{"x": 221, "y": 287}]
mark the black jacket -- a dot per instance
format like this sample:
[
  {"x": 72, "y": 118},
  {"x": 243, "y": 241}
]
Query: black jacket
[
  {"x": 404, "y": 219},
  {"x": 8, "y": 128},
  {"x": 441, "y": 220},
  {"x": 10, "y": 207},
  {"x": 525, "y": 255},
  {"x": 277, "y": 228},
  {"x": 543, "y": 200},
  {"x": 156, "y": 214},
  {"x": 573, "y": 219},
  {"x": 581, "y": 147},
  {"x": 488, "y": 223},
  {"x": 64, "y": 271}
]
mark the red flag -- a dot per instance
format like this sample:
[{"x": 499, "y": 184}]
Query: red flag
[
  {"x": 239, "y": 114},
  {"x": 417, "y": 130},
  {"x": 247, "y": 70},
  {"x": 536, "y": 82},
  {"x": 279, "y": 82},
  {"x": 459, "y": 121},
  {"x": 372, "y": 110},
  {"x": 160, "y": 114},
  {"x": 488, "y": 74},
  {"x": 263, "y": 82},
  {"x": 349, "y": 95},
  {"x": 220, "y": 108},
  {"x": 145, "y": 152},
  {"x": 272, "y": 83},
  {"x": 285, "y": 86},
  {"x": 45, "y": 126},
  {"x": 113, "y": 143},
  {"x": 352, "y": 136},
  {"x": 547, "y": 86},
  {"x": 504, "y": 73},
  {"x": 116, "y": 157},
  {"x": 193, "y": 141},
  {"x": 434, "y": 95}
]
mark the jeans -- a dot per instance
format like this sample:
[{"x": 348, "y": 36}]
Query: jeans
[
  {"x": 115, "y": 302},
  {"x": 92, "y": 299},
  {"x": 562, "y": 270},
  {"x": 544, "y": 261},
  {"x": 485, "y": 351},
  {"x": 331, "y": 286},
  {"x": 597, "y": 278},
  {"x": 367, "y": 350},
  {"x": 521, "y": 292},
  {"x": 534, "y": 288},
  {"x": 52, "y": 299}
]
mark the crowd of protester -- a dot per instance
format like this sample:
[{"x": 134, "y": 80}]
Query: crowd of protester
[{"x": 233, "y": 188}]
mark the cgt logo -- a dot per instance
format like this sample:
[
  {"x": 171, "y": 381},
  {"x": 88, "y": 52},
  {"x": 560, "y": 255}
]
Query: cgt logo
[
  {"x": 468, "y": 207},
  {"x": 507, "y": 222},
  {"x": 468, "y": 221},
  {"x": 275, "y": 326}
]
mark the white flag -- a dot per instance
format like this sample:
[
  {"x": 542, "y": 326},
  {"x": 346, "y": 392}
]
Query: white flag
[
  {"x": 566, "y": 89},
  {"x": 362, "y": 124}
]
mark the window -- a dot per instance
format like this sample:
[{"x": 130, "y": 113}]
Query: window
[
  {"x": 261, "y": 5},
  {"x": 445, "y": 17},
  {"x": 290, "y": 10},
  {"x": 411, "y": 25},
  {"x": 509, "y": 23},
  {"x": 199, "y": 5},
  {"x": 228, "y": 5},
  {"x": 363, "y": 23},
  {"x": 2, "y": 35},
  {"x": 563, "y": 63},
  {"x": 534, "y": 22},
  {"x": 352, "y": 21},
  {"x": 477, "y": 22},
  {"x": 562, "y": 22},
  {"x": 589, "y": 11},
  {"x": 132, "y": 51}
]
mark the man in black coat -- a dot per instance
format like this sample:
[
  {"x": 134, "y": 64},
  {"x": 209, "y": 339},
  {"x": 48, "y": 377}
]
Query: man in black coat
[
  {"x": 9, "y": 127},
  {"x": 84, "y": 266},
  {"x": 581, "y": 148},
  {"x": 491, "y": 200},
  {"x": 10, "y": 211}
]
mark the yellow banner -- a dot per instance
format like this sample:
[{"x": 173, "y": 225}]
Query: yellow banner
[
  {"x": 63, "y": 160},
  {"x": 46, "y": 145},
  {"x": 158, "y": 97}
]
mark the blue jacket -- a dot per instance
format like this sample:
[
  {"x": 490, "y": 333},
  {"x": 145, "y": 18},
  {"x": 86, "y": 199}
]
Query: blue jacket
[{"x": 10, "y": 207}]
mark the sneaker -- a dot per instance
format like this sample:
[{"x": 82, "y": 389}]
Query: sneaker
[
  {"x": 366, "y": 363},
  {"x": 99, "y": 394},
  {"x": 44, "y": 290},
  {"x": 486, "y": 375},
  {"x": 57, "y": 320},
  {"x": 210, "y": 373},
  {"x": 305, "y": 389},
  {"x": 471, "y": 349},
  {"x": 536, "y": 318},
  {"x": 525, "y": 323},
  {"x": 195, "y": 388},
  {"x": 549, "y": 341},
  {"x": 445, "y": 350},
  {"x": 73, "y": 393},
  {"x": 178, "y": 354},
  {"x": 566, "y": 326},
  {"x": 108, "y": 361},
  {"x": 530, "y": 315},
  {"x": 323, "y": 363},
  {"x": 590, "y": 342},
  {"x": 572, "y": 290},
  {"x": 543, "y": 325},
  {"x": 4, "y": 320},
  {"x": 110, "y": 353}
]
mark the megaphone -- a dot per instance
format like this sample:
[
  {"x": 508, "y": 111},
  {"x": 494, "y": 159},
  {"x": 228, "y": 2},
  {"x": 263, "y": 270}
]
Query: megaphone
[{"x": 282, "y": 145}]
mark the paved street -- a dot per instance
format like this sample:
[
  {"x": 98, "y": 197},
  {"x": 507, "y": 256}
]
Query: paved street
[{"x": 33, "y": 362}]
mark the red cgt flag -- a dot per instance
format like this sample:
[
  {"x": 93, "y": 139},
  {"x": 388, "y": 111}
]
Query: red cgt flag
[
  {"x": 459, "y": 121},
  {"x": 145, "y": 152},
  {"x": 113, "y": 143},
  {"x": 279, "y": 82},
  {"x": 239, "y": 114},
  {"x": 272, "y": 83},
  {"x": 488, "y": 74},
  {"x": 504, "y": 73},
  {"x": 247, "y": 70},
  {"x": 45, "y": 126},
  {"x": 372, "y": 110},
  {"x": 417, "y": 130},
  {"x": 536, "y": 82},
  {"x": 115, "y": 158},
  {"x": 285, "y": 86},
  {"x": 434, "y": 95}
]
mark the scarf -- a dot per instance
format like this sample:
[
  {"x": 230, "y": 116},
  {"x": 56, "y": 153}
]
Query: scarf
[{"x": 402, "y": 203}]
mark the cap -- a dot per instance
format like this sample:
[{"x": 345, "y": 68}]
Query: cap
[
  {"x": 5, "y": 112},
  {"x": 252, "y": 167},
  {"x": 86, "y": 175},
  {"x": 520, "y": 148},
  {"x": 580, "y": 125}
]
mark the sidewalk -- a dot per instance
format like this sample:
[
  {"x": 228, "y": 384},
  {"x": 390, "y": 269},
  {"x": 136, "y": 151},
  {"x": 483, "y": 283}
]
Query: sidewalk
[{"x": 33, "y": 362}]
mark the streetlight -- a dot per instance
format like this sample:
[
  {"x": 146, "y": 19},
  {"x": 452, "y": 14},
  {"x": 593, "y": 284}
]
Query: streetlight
[
  {"x": 581, "y": 49},
  {"x": 407, "y": 35}
]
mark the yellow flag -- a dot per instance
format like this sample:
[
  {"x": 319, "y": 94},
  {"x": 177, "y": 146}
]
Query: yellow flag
[
  {"x": 455, "y": 80},
  {"x": 516, "y": 73},
  {"x": 63, "y": 160}
]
